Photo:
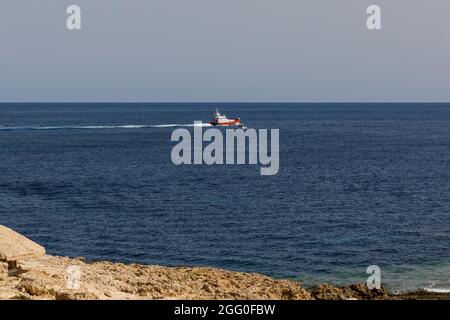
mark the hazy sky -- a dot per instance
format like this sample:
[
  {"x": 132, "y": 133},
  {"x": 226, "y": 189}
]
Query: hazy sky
[{"x": 225, "y": 50}]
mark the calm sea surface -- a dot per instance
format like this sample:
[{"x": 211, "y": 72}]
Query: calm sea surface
[{"x": 359, "y": 184}]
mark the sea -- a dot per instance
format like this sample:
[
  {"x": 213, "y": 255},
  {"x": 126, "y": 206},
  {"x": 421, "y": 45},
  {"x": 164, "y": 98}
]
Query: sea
[{"x": 359, "y": 184}]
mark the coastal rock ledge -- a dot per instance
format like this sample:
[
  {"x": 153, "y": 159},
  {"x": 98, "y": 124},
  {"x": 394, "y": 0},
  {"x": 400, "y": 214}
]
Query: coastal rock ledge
[{"x": 27, "y": 272}]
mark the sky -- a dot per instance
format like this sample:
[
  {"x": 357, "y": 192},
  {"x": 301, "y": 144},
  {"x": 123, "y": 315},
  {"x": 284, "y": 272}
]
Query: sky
[{"x": 224, "y": 50}]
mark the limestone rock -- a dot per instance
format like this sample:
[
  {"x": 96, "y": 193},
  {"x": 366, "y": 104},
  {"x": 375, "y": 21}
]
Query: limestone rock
[
  {"x": 351, "y": 292},
  {"x": 15, "y": 247}
]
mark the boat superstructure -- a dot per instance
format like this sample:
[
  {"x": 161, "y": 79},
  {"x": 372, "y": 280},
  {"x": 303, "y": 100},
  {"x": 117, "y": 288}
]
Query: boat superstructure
[{"x": 220, "y": 119}]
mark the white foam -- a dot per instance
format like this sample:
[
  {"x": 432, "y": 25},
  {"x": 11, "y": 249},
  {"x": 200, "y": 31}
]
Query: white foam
[
  {"x": 198, "y": 125},
  {"x": 437, "y": 290},
  {"x": 167, "y": 125}
]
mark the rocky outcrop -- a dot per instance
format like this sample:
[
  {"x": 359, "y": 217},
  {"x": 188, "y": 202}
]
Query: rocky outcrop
[
  {"x": 43, "y": 276},
  {"x": 15, "y": 247},
  {"x": 47, "y": 278},
  {"x": 351, "y": 292}
]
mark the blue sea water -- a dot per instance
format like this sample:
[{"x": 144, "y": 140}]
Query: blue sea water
[{"x": 359, "y": 184}]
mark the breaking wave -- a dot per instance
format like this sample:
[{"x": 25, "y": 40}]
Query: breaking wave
[
  {"x": 438, "y": 290},
  {"x": 438, "y": 287}
]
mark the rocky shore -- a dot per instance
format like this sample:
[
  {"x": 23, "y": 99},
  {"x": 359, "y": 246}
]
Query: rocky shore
[{"x": 26, "y": 272}]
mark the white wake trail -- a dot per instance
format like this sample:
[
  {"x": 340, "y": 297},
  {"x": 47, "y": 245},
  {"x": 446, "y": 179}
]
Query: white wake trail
[{"x": 98, "y": 127}]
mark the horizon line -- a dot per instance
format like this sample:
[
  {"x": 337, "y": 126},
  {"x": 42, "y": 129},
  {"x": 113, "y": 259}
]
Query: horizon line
[{"x": 222, "y": 102}]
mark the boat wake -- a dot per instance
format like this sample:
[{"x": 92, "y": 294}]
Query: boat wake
[{"x": 128, "y": 126}]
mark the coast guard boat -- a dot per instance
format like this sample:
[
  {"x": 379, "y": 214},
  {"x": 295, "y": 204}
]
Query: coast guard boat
[{"x": 222, "y": 121}]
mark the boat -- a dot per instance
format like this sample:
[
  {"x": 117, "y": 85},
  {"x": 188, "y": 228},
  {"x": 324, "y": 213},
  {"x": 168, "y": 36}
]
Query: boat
[{"x": 222, "y": 121}]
